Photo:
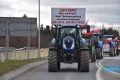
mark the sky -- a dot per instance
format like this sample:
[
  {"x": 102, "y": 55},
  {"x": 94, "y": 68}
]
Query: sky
[
  {"x": 17, "y": 8},
  {"x": 97, "y": 11}
]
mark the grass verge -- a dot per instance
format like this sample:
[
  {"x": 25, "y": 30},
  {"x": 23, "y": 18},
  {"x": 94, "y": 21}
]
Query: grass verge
[{"x": 15, "y": 64}]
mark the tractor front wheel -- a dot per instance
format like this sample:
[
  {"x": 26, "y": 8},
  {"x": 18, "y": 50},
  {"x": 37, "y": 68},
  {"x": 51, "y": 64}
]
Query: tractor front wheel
[
  {"x": 84, "y": 61},
  {"x": 52, "y": 61}
]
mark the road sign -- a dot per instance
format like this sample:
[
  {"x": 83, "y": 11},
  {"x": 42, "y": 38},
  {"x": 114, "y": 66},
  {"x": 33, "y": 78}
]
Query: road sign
[
  {"x": 67, "y": 16},
  {"x": 18, "y": 26}
]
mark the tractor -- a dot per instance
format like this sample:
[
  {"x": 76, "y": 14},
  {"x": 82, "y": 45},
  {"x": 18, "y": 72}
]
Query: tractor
[
  {"x": 117, "y": 41},
  {"x": 67, "y": 48},
  {"x": 91, "y": 47},
  {"x": 109, "y": 45},
  {"x": 98, "y": 45},
  {"x": 94, "y": 43}
]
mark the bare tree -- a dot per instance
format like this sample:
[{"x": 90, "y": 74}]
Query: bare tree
[{"x": 24, "y": 16}]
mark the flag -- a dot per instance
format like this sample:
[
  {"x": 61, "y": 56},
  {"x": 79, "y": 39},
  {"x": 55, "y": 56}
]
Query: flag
[
  {"x": 85, "y": 25},
  {"x": 107, "y": 40},
  {"x": 116, "y": 39},
  {"x": 96, "y": 30}
]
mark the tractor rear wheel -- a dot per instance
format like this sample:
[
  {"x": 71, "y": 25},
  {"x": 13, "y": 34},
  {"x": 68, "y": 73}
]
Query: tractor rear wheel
[
  {"x": 84, "y": 61},
  {"x": 111, "y": 53},
  {"x": 114, "y": 51},
  {"x": 58, "y": 65},
  {"x": 117, "y": 52},
  {"x": 98, "y": 53},
  {"x": 102, "y": 53},
  {"x": 52, "y": 61},
  {"x": 93, "y": 57},
  {"x": 78, "y": 65}
]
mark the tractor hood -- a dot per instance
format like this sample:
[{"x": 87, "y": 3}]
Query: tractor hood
[{"x": 68, "y": 43}]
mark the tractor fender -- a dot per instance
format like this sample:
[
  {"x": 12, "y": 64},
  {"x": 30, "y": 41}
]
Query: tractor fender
[
  {"x": 113, "y": 44},
  {"x": 84, "y": 49},
  {"x": 53, "y": 42},
  {"x": 100, "y": 44},
  {"x": 52, "y": 48}
]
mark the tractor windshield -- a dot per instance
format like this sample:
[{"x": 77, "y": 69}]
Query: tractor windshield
[
  {"x": 105, "y": 37},
  {"x": 68, "y": 31},
  {"x": 110, "y": 37},
  {"x": 95, "y": 39}
]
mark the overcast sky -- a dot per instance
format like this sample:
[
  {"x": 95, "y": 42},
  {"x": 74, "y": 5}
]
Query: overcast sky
[
  {"x": 99, "y": 11},
  {"x": 17, "y": 8}
]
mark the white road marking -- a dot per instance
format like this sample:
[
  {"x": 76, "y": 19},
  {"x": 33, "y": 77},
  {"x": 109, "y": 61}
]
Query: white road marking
[
  {"x": 98, "y": 72},
  {"x": 100, "y": 67},
  {"x": 100, "y": 64},
  {"x": 108, "y": 69}
]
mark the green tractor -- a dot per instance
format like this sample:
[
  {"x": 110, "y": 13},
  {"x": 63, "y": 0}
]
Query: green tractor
[
  {"x": 89, "y": 39},
  {"x": 67, "y": 48},
  {"x": 95, "y": 44}
]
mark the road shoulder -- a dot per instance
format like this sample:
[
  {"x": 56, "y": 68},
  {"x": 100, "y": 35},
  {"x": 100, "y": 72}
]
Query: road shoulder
[{"x": 13, "y": 74}]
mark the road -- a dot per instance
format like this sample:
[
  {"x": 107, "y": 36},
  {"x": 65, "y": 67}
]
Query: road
[
  {"x": 70, "y": 72},
  {"x": 111, "y": 61}
]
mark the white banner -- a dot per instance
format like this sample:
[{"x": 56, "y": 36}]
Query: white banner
[
  {"x": 106, "y": 47},
  {"x": 67, "y": 16}
]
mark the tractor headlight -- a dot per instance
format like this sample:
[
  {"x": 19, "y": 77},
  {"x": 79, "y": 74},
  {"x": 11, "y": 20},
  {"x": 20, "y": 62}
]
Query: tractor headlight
[
  {"x": 73, "y": 46},
  {"x": 64, "y": 46}
]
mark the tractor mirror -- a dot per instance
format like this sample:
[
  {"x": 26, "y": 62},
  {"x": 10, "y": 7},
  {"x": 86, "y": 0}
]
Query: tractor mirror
[{"x": 88, "y": 28}]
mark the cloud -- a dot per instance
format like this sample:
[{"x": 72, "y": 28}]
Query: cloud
[
  {"x": 101, "y": 11},
  {"x": 17, "y": 8},
  {"x": 77, "y": 2}
]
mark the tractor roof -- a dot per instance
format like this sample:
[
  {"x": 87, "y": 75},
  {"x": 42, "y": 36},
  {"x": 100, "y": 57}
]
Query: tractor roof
[
  {"x": 108, "y": 35},
  {"x": 68, "y": 26}
]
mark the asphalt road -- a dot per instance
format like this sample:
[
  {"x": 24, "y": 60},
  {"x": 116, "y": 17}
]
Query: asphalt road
[
  {"x": 111, "y": 62},
  {"x": 70, "y": 72},
  {"x": 67, "y": 72}
]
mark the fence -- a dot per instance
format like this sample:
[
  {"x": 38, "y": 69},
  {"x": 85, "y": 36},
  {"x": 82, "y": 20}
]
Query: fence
[{"x": 24, "y": 54}]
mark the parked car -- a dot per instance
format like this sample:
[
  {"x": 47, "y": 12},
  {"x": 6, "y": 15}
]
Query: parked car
[{"x": 4, "y": 49}]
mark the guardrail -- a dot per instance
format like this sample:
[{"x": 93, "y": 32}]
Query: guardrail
[{"x": 24, "y": 54}]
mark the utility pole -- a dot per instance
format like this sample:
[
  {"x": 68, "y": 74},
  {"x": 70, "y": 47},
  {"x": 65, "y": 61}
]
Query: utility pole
[
  {"x": 39, "y": 29},
  {"x": 7, "y": 41},
  {"x": 28, "y": 43}
]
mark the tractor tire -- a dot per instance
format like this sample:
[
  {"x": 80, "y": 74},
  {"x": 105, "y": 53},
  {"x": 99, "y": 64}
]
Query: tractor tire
[
  {"x": 58, "y": 65},
  {"x": 117, "y": 52},
  {"x": 98, "y": 53},
  {"x": 111, "y": 53},
  {"x": 102, "y": 53},
  {"x": 78, "y": 65},
  {"x": 93, "y": 58},
  {"x": 114, "y": 52},
  {"x": 84, "y": 61},
  {"x": 52, "y": 61}
]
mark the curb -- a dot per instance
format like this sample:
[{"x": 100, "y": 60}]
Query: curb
[{"x": 13, "y": 74}]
